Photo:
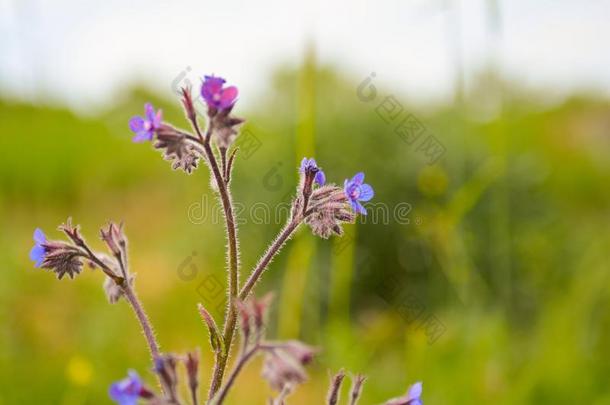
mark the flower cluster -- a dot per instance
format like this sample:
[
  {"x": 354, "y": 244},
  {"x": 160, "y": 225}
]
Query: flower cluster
[
  {"x": 68, "y": 257},
  {"x": 183, "y": 150},
  {"x": 325, "y": 207},
  {"x": 177, "y": 148}
]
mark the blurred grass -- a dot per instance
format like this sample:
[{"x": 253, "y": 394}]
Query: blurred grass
[{"x": 507, "y": 246}]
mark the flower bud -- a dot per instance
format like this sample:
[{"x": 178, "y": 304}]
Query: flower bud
[
  {"x": 187, "y": 102},
  {"x": 113, "y": 291},
  {"x": 114, "y": 238},
  {"x": 62, "y": 258},
  {"x": 260, "y": 307},
  {"x": 225, "y": 128},
  {"x": 280, "y": 371},
  {"x": 300, "y": 351},
  {"x": 72, "y": 232},
  {"x": 335, "y": 386},
  {"x": 177, "y": 148},
  {"x": 356, "y": 390},
  {"x": 328, "y": 210},
  {"x": 310, "y": 173},
  {"x": 192, "y": 369},
  {"x": 165, "y": 367}
]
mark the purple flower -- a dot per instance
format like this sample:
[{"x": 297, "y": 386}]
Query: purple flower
[
  {"x": 414, "y": 394},
  {"x": 127, "y": 391},
  {"x": 356, "y": 191},
  {"x": 38, "y": 251},
  {"x": 145, "y": 127},
  {"x": 217, "y": 96},
  {"x": 412, "y": 397},
  {"x": 310, "y": 165}
]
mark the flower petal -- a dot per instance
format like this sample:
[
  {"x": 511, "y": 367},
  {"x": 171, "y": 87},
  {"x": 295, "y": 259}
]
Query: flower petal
[
  {"x": 358, "y": 178},
  {"x": 142, "y": 136},
  {"x": 320, "y": 178},
  {"x": 228, "y": 96},
  {"x": 214, "y": 83},
  {"x": 149, "y": 111},
  {"x": 158, "y": 118},
  {"x": 366, "y": 192},
  {"x": 210, "y": 86},
  {"x": 37, "y": 254},
  {"x": 126, "y": 391},
  {"x": 39, "y": 236},
  {"x": 415, "y": 391},
  {"x": 358, "y": 207},
  {"x": 303, "y": 165},
  {"x": 136, "y": 124}
]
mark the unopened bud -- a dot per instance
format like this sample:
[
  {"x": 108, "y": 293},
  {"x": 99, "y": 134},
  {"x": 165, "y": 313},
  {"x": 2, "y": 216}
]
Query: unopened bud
[
  {"x": 300, "y": 351},
  {"x": 114, "y": 238},
  {"x": 113, "y": 291}
]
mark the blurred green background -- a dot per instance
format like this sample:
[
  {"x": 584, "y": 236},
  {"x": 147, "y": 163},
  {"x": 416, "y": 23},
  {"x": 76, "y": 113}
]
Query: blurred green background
[{"x": 495, "y": 290}]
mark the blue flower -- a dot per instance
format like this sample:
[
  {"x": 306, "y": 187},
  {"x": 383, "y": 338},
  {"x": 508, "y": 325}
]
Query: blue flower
[
  {"x": 145, "y": 127},
  {"x": 310, "y": 165},
  {"x": 127, "y": 391},
  {"x": 356, "y": 191},
  {"x": 38, "y": 251},
  {"x": 412, "y": 397},
  {"x": 414, "y": 394}
]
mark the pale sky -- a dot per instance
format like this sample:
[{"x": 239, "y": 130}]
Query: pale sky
[{"x": 81, "y": 53}]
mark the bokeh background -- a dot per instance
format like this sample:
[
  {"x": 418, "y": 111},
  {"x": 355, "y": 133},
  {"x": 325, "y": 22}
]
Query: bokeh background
[{"x": 490, "y": 285}]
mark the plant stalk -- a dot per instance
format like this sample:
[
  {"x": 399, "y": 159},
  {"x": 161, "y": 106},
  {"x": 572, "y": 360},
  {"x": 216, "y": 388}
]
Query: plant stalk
[
  {"x": 264, "y": 261},
  {"x": 147, "y": 328},
  {"x": 233, "y": 376},
  {"x": 231, "y": 317}
]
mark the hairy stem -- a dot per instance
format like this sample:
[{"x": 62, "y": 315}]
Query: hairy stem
[
  {"x": 194, "y": 396},
  {"x": 107, "y": 270},
  {"x": 264, "y": 261},
  {"x": 244, "y": 358},
  {"x": 279, "y": 400},
  {"x": 130, "y": 294},
  {"x": 231, "y": 317},
  {"x": 147, "y": 328}
]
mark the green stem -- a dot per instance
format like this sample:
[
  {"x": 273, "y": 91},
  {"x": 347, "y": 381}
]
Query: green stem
[{"x": 231, "y": 318}]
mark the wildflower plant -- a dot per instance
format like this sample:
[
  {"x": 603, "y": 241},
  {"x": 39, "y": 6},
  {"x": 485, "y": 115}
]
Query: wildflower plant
[{"x": 324, "y": 207}]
